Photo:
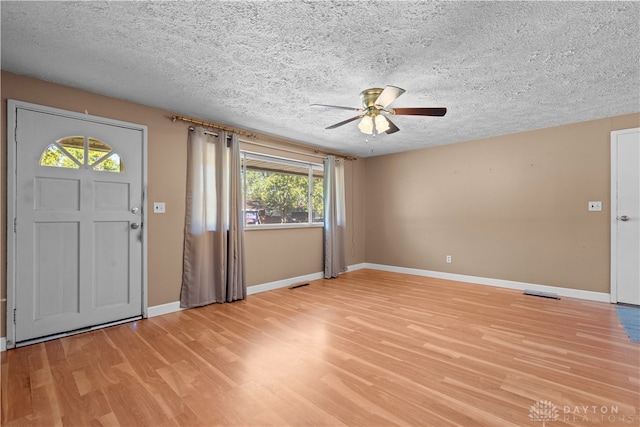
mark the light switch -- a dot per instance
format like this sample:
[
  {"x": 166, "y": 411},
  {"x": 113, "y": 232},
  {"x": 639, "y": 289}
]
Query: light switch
[
  {"x": 158, "y": 207},
  {"x": 595, "y": 206}
]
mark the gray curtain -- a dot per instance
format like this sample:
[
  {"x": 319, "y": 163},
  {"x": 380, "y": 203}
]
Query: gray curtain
[
  {"x": 213, "y": 263},
  {"x": 334, "y": 218}
]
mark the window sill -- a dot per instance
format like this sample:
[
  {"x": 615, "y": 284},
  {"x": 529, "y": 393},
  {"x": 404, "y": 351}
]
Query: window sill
[{"x": 281, "y": 226}]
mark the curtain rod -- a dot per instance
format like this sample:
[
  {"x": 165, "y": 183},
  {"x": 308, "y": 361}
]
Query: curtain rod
[
  {"x": 211, "y": 125},
  {"x": 315, "y": 153}
]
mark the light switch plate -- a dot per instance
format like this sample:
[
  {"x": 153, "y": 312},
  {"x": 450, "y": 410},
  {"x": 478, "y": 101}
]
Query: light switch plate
[
  {"x": 595, "y": 206},
  {"x": 158, "y": 207}
]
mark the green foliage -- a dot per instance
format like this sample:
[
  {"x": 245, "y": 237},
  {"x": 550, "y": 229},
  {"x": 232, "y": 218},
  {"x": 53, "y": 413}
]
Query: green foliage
[
  {"x": 281, "y": 192},
  {"x": 62, "y": 158},
  {"x": 53, "y": 156},
  {"x": 317, "y": 197},
  {"x": 110, "y": 164}
]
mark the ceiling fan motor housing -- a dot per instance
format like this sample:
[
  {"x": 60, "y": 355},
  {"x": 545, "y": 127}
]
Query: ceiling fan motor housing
[{"x": 369, "y": 97}]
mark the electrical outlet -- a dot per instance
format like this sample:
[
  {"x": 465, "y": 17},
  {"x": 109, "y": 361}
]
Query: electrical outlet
[
  {"x": 448, "y": 258},
  {"x": 595, "y": 206},
  {"x": 158, "y": 207}
]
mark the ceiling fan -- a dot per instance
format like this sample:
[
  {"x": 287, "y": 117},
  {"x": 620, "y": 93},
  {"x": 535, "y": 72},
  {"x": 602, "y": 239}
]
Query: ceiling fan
[{"x": 374, "y": 111}]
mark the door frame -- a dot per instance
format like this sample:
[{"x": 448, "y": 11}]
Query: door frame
[
  {"x": 12, "y": 117},
  {"x": 613, "y": 285}
]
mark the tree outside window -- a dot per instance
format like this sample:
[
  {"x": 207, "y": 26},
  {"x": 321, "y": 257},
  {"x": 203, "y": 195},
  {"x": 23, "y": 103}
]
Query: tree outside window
[{"x": 278, "y": 191}]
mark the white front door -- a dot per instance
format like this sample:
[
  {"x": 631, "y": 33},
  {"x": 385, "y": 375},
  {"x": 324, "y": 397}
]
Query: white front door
[
  {"x": 77, "y": 211},
  {"x": 625, "y": 216}
]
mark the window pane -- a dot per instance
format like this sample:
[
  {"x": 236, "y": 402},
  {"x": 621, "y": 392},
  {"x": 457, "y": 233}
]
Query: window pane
[
  {"x": 69, "y": 152},
  {"x": 318, "y": 199},
  {"x": 110, "y": 164},
  {"x": 55, "y": 157},
  {"x": 74, "y": 145},
  {"x": 97, "y": 149},
  {"x": 275, "y": 197},
  {"x": 278, "y": 191}
]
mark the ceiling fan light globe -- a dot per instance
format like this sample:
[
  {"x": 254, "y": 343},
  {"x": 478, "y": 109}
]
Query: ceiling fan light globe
[
  {"x": 382, "y": 124},
  {"x": 366, "y": 125}
]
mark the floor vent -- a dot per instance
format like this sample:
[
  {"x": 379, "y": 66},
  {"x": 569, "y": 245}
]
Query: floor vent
[
  {"x": 298, "y": 285},
  {"x": 541, "y": 294}
]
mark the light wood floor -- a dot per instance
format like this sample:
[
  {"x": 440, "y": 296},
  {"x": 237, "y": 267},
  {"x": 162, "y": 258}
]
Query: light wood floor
[{"x": 371, "y": 348}]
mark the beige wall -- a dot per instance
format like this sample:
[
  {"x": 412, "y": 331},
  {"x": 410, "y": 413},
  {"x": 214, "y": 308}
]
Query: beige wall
[
  {"x": 271, "y": 254},
  {"x": 512, "y": 207}
]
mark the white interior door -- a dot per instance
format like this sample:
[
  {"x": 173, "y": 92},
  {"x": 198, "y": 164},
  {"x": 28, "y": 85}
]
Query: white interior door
[
  {"x": 78, "y": 236},
  {"x": 625, "y": 216}
]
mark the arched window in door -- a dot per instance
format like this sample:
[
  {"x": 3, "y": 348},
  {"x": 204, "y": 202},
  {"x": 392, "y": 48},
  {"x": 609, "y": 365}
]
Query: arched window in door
[{"x": 78, "y": 151}]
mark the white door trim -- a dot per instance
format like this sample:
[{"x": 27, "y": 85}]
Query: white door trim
[
  {"x": 12, "y": 108},
  {"x": 614, "y": 212}
]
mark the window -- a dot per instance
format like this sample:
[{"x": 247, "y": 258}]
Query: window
[
  {"x": 69, "y": 152},
  {"x": 281, "y": 191}
]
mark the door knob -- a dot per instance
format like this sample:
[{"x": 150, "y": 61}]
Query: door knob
[
  {"x": 135, "y": 225},
  {"x": 624, "y": 218}
]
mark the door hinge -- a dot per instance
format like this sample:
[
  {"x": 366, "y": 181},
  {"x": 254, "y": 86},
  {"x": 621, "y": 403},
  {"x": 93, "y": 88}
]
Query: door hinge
[
  {"x": 14, "y": 316},
  {"x": 15, "y": 225}
]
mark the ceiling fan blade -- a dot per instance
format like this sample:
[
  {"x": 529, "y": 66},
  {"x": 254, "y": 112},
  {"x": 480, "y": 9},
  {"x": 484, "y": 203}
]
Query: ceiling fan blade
[
  {"x": 344, "y": 122},
  {"x": 388, "y": 95},
  {"x": 392, "y": 127},
  {"x": 439, "y": 112},
  {"x": 337, "y": 106}
]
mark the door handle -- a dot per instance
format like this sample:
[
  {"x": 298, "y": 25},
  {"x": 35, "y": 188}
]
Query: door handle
[
  {"x": 624, "y": 218},
  {"x": 135, "y": 225}
]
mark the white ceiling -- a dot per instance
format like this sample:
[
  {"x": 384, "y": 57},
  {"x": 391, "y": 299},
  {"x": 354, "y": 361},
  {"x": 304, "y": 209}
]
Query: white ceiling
[{"x": 499, "y": 67}]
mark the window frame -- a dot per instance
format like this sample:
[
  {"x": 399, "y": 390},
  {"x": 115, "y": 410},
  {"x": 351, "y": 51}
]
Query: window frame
[
  {"x": 68, "y": 147},
  {"x": 285, "y": 161}
]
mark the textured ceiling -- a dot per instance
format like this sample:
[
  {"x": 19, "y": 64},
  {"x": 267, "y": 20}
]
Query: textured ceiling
[{"x": 499, "y": 67}]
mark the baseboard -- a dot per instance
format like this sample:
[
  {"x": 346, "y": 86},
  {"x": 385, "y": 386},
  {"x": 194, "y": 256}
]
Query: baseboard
[
  {"x": 500, "y": 283},
  {"x": 292, "y": 281},
  {"x": 355, "y": 267},
  {"x": 159, "y": 310},
  {"x": 255, "y": 289},
  {"x": 172, "y": 307}
]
